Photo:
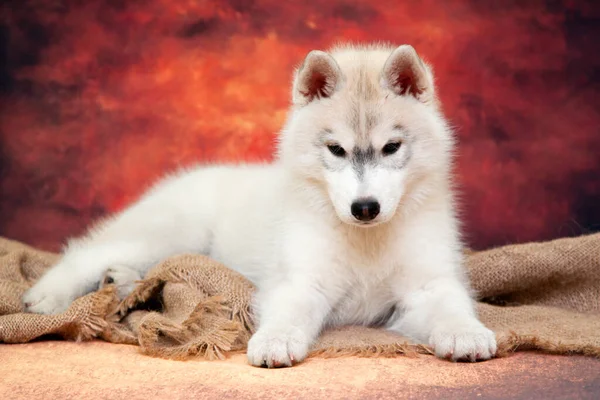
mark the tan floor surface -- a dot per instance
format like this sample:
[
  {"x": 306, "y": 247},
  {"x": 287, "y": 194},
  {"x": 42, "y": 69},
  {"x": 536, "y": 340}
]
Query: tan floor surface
[{"x": 98, "y": 370}]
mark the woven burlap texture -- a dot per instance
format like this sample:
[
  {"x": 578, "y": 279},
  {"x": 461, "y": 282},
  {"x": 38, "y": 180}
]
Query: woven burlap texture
[{"x": 536, "y": 296}]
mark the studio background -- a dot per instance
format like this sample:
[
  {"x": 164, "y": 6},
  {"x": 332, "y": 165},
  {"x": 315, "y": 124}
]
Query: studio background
[{"x": 100, "y": 98}]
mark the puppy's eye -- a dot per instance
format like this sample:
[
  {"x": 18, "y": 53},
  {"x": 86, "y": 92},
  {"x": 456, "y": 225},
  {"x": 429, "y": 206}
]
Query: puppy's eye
[
  {"x": 391, "y": 148},
  {"x": 336, "y": 150}
]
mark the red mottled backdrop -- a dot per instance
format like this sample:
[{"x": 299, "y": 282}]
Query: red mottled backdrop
[{"x": 99, "y": 98}]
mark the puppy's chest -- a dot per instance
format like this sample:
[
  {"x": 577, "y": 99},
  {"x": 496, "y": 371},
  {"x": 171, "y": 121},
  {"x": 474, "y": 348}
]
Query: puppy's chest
[{"x": 368, "y": 297}]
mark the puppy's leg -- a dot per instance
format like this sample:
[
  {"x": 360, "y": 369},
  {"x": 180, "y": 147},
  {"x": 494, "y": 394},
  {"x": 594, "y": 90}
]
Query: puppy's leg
[
  {"x": 434, "y": 296},
  {"x": 57, "y": 288},
  {"x": 292, "y": 314},
  {"x": 293, "y": 303},
  {"x": 130, "y": 246},
  {"x": 441, "y": 314},
  {"x": 80, "y": 271}
]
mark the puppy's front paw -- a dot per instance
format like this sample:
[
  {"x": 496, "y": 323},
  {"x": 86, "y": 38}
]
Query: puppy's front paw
[
  {"x": 123, "y": 277},
  {"x": 275, "y": 348},
  {"x": 469, "y": 341},
  {"x": 46, "y": 297}
]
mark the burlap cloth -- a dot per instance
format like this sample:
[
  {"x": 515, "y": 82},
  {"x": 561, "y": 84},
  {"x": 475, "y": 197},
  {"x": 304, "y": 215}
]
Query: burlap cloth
[{"x": 542, "y": 296}]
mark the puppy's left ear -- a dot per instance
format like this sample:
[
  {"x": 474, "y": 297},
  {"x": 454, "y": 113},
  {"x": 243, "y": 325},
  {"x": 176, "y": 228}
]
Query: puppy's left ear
[{"x": 405, "y": 74}]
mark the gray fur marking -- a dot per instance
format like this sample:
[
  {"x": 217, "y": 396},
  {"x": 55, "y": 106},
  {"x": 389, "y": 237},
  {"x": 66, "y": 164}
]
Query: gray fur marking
[{"x": 360, "y": 159}]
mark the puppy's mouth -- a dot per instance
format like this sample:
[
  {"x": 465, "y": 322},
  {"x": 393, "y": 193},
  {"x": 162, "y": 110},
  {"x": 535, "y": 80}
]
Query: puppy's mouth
[{"x": 366, "y": 224}]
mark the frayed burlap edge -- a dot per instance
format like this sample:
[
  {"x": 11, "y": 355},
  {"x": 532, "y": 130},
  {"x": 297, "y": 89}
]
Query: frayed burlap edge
[
  {"x": 207, "y": 333},
  {"x": 513, "y": 342},
  {"x": 151, "y": 286},
  {"x": 212, "y": 329},
  {"x": 507, "y": 345},
  {"x": 74, "y": 324},
  {"x": 384, "y": 350},
  {"x": 94, "y": 323}
]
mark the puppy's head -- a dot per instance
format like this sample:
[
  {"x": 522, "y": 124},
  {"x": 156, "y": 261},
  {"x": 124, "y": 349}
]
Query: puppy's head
[{"x": 366, "y": 126}]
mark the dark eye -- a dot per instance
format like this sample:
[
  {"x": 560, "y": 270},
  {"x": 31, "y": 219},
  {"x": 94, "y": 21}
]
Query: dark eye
[
  {"x": 391, "y": 148},
  {"x": 336, "y": 150}
]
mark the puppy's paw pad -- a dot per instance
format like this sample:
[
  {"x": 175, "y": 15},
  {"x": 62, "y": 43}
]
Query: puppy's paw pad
[
  {"x": 277, "y": 348},
  {"x": 123, "y": 277},
  {"x": 45, "y": 300},
  {"x": 471, "y": 342}
]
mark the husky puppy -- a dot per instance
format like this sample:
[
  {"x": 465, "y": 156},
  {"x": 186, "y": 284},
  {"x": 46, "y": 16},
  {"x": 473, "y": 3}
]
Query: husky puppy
[{"x": 354, "y": 223}]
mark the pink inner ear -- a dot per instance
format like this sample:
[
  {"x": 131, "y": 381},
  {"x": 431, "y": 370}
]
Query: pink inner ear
[
  {"x": 316, "y": 86},
  {"x": 406, "y": 82}
]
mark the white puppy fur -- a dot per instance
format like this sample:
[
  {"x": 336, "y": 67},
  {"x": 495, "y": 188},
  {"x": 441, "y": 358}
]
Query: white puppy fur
[{"x": 354, "y": 223}]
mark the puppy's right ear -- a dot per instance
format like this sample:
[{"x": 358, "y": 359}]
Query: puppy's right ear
[{"x": 317, "y": 78}]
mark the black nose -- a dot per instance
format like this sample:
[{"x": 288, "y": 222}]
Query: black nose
[{"x": 365, "y": 209}]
